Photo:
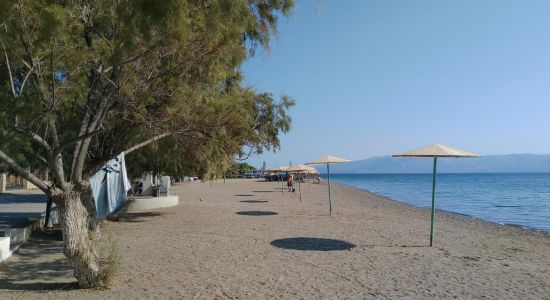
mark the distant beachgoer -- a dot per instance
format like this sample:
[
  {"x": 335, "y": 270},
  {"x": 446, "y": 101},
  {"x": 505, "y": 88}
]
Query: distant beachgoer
[{"x": 290, "y": 182}]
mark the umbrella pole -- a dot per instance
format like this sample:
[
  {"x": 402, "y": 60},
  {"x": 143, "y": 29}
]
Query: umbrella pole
[
  {"x": 300, "y": 188},
  {"x": 433, "y": 202},
  {"x": 282, "y": 189},
  {"x": 329, "y": 198}
]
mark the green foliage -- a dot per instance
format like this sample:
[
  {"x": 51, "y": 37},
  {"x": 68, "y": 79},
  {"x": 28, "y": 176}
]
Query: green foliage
[
  {"x": 243, "y": 166},
  {"x": 141, "y": 68},
  {"x": 236, "y": 123},
  {"x": 239, "y": 169},
  {"x": 82, "y": 81}
]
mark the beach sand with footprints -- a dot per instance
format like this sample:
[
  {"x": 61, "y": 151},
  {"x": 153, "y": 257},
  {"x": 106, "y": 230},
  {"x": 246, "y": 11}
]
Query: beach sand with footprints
[{"x": 244, "y": 239}]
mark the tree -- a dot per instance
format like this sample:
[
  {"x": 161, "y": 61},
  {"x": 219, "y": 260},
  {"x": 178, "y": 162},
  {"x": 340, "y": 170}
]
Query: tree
[
  {"x": 241, "y": 121},
  {"x": 83, "y": 80},
  {"x": 239, "y": 169}
]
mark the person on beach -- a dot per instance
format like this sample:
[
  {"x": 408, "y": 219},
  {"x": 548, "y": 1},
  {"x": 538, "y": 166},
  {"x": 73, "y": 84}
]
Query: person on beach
[
  {"x": 316, "y": 179},
  {"x": 290, "y": 182}
]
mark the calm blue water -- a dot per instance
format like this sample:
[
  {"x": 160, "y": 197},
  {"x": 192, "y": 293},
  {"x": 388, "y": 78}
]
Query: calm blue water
[{"x": 519, "y": 198}]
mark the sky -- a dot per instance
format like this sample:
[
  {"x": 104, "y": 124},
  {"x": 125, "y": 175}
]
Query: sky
[{"x": 379, "y": 77}]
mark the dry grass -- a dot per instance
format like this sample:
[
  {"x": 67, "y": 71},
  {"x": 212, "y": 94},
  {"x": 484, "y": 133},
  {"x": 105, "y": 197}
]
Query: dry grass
[{"x": 111, "y": 264}]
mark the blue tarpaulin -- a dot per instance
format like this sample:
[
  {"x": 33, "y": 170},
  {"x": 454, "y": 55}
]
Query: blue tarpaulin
[{"x": 110, "y": 186}]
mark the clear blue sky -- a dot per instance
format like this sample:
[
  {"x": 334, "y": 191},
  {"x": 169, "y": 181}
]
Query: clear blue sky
[{"x": 380, "y": 77}]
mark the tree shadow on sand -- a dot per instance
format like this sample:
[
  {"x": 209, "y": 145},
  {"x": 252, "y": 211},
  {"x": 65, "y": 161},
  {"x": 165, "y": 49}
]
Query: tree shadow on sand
[
  {"x": 256, "y": 213},
  {"x": 253, "y": 201},
  {"x": 244, "y": 195},
  {"x": 312, "y": 244},
  {"x": 262, "y": 191},
  {"x": 133, "y": 217}
]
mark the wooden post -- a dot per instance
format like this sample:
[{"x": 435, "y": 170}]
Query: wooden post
[{"x": 2, "y": 182}]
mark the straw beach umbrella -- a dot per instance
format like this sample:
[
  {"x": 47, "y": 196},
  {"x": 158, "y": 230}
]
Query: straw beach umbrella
[
  {"x": 299, "y": 169},
  {"x": 280, "y": 169},
  {"x": 435, "y": 151},
  {"x": 310, "y": 171},
  {"x": 328, "y": 160}
]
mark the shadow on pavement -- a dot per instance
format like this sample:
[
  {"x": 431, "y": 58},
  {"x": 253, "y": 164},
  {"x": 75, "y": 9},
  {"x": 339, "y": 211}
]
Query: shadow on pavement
[{"x": 32, "y": 269}]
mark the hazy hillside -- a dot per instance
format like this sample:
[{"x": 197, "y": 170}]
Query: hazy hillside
[{"x": 487, "y": 164}]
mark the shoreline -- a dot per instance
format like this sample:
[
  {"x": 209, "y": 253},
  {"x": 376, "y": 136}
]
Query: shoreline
[
  {"x": 438, "y": 210},
  {"x": 541, "y": 232}
]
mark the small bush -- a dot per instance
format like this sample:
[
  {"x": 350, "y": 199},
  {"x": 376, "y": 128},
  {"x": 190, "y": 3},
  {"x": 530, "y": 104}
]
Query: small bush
[{"x": 112, "y": 264}]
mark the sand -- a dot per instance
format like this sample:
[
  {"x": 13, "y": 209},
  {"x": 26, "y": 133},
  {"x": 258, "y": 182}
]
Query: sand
[{"x": 244, "y": 239}]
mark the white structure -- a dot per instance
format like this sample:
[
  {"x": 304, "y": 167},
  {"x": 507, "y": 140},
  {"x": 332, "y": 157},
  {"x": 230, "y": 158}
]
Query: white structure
[
  {"x": 146, "y": 203},
  {"x": 4, "y": 248},
  {"x": 150, "y": 182},
  {"x": 165, "y": 185}
]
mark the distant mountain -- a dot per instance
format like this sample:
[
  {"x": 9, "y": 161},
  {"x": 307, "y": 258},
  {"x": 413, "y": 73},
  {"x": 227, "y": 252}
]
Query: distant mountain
[{"x": 512, "y": 163}]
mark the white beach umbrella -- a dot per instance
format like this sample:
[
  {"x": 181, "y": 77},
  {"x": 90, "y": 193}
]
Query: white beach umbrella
[
  {"x": 299, "y": 169},
  {"x": 436, "y": 151},
  {"x": 312, "y": 170},
  {"x": 281, "y": 169},
  {"x": 328, "y": 160}
]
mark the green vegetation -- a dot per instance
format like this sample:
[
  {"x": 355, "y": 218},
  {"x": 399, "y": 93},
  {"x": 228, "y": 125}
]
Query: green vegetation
[
  {"x": 82, "y": 81},
  {"x": 239, "y": 169}
]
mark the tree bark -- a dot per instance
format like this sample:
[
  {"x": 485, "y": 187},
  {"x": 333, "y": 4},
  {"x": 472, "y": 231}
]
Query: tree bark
[
  {"x": 79, "y": 237},
  {"x": 87, "y": 199}
]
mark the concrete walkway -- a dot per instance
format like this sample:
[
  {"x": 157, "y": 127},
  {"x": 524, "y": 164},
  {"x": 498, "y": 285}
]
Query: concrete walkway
[{"x": 21, "y": 213}]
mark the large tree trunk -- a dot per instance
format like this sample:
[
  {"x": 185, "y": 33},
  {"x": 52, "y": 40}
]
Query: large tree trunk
[
  {"x": 87, "y": 199},
  {"x": 80, "y": 235}
]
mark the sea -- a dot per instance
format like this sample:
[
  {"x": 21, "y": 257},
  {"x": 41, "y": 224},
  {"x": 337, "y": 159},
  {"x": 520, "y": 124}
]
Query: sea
[{"x": 520, "y": 199}]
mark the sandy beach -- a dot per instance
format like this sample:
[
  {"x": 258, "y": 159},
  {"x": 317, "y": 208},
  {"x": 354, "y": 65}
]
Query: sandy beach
[{"x": 244, "y": 239}]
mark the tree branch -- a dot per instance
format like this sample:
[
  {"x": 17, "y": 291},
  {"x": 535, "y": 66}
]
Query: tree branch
[
  {"x": 25, "y": 173},
  {"x": 78, "y": 167},
  {"x": 9, "y": 72},
  {"x": 76, "y": 140},
  {"x": 247, "y": 156},
  {"x": 25, "y": 80},
  {"x": 145, "y": 143},
  {"x": 35, "y": 137},
  {"x": 90, "y": 170}
]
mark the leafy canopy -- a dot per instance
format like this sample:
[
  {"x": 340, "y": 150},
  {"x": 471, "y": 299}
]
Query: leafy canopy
[{"x": 85, "y": 80}]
